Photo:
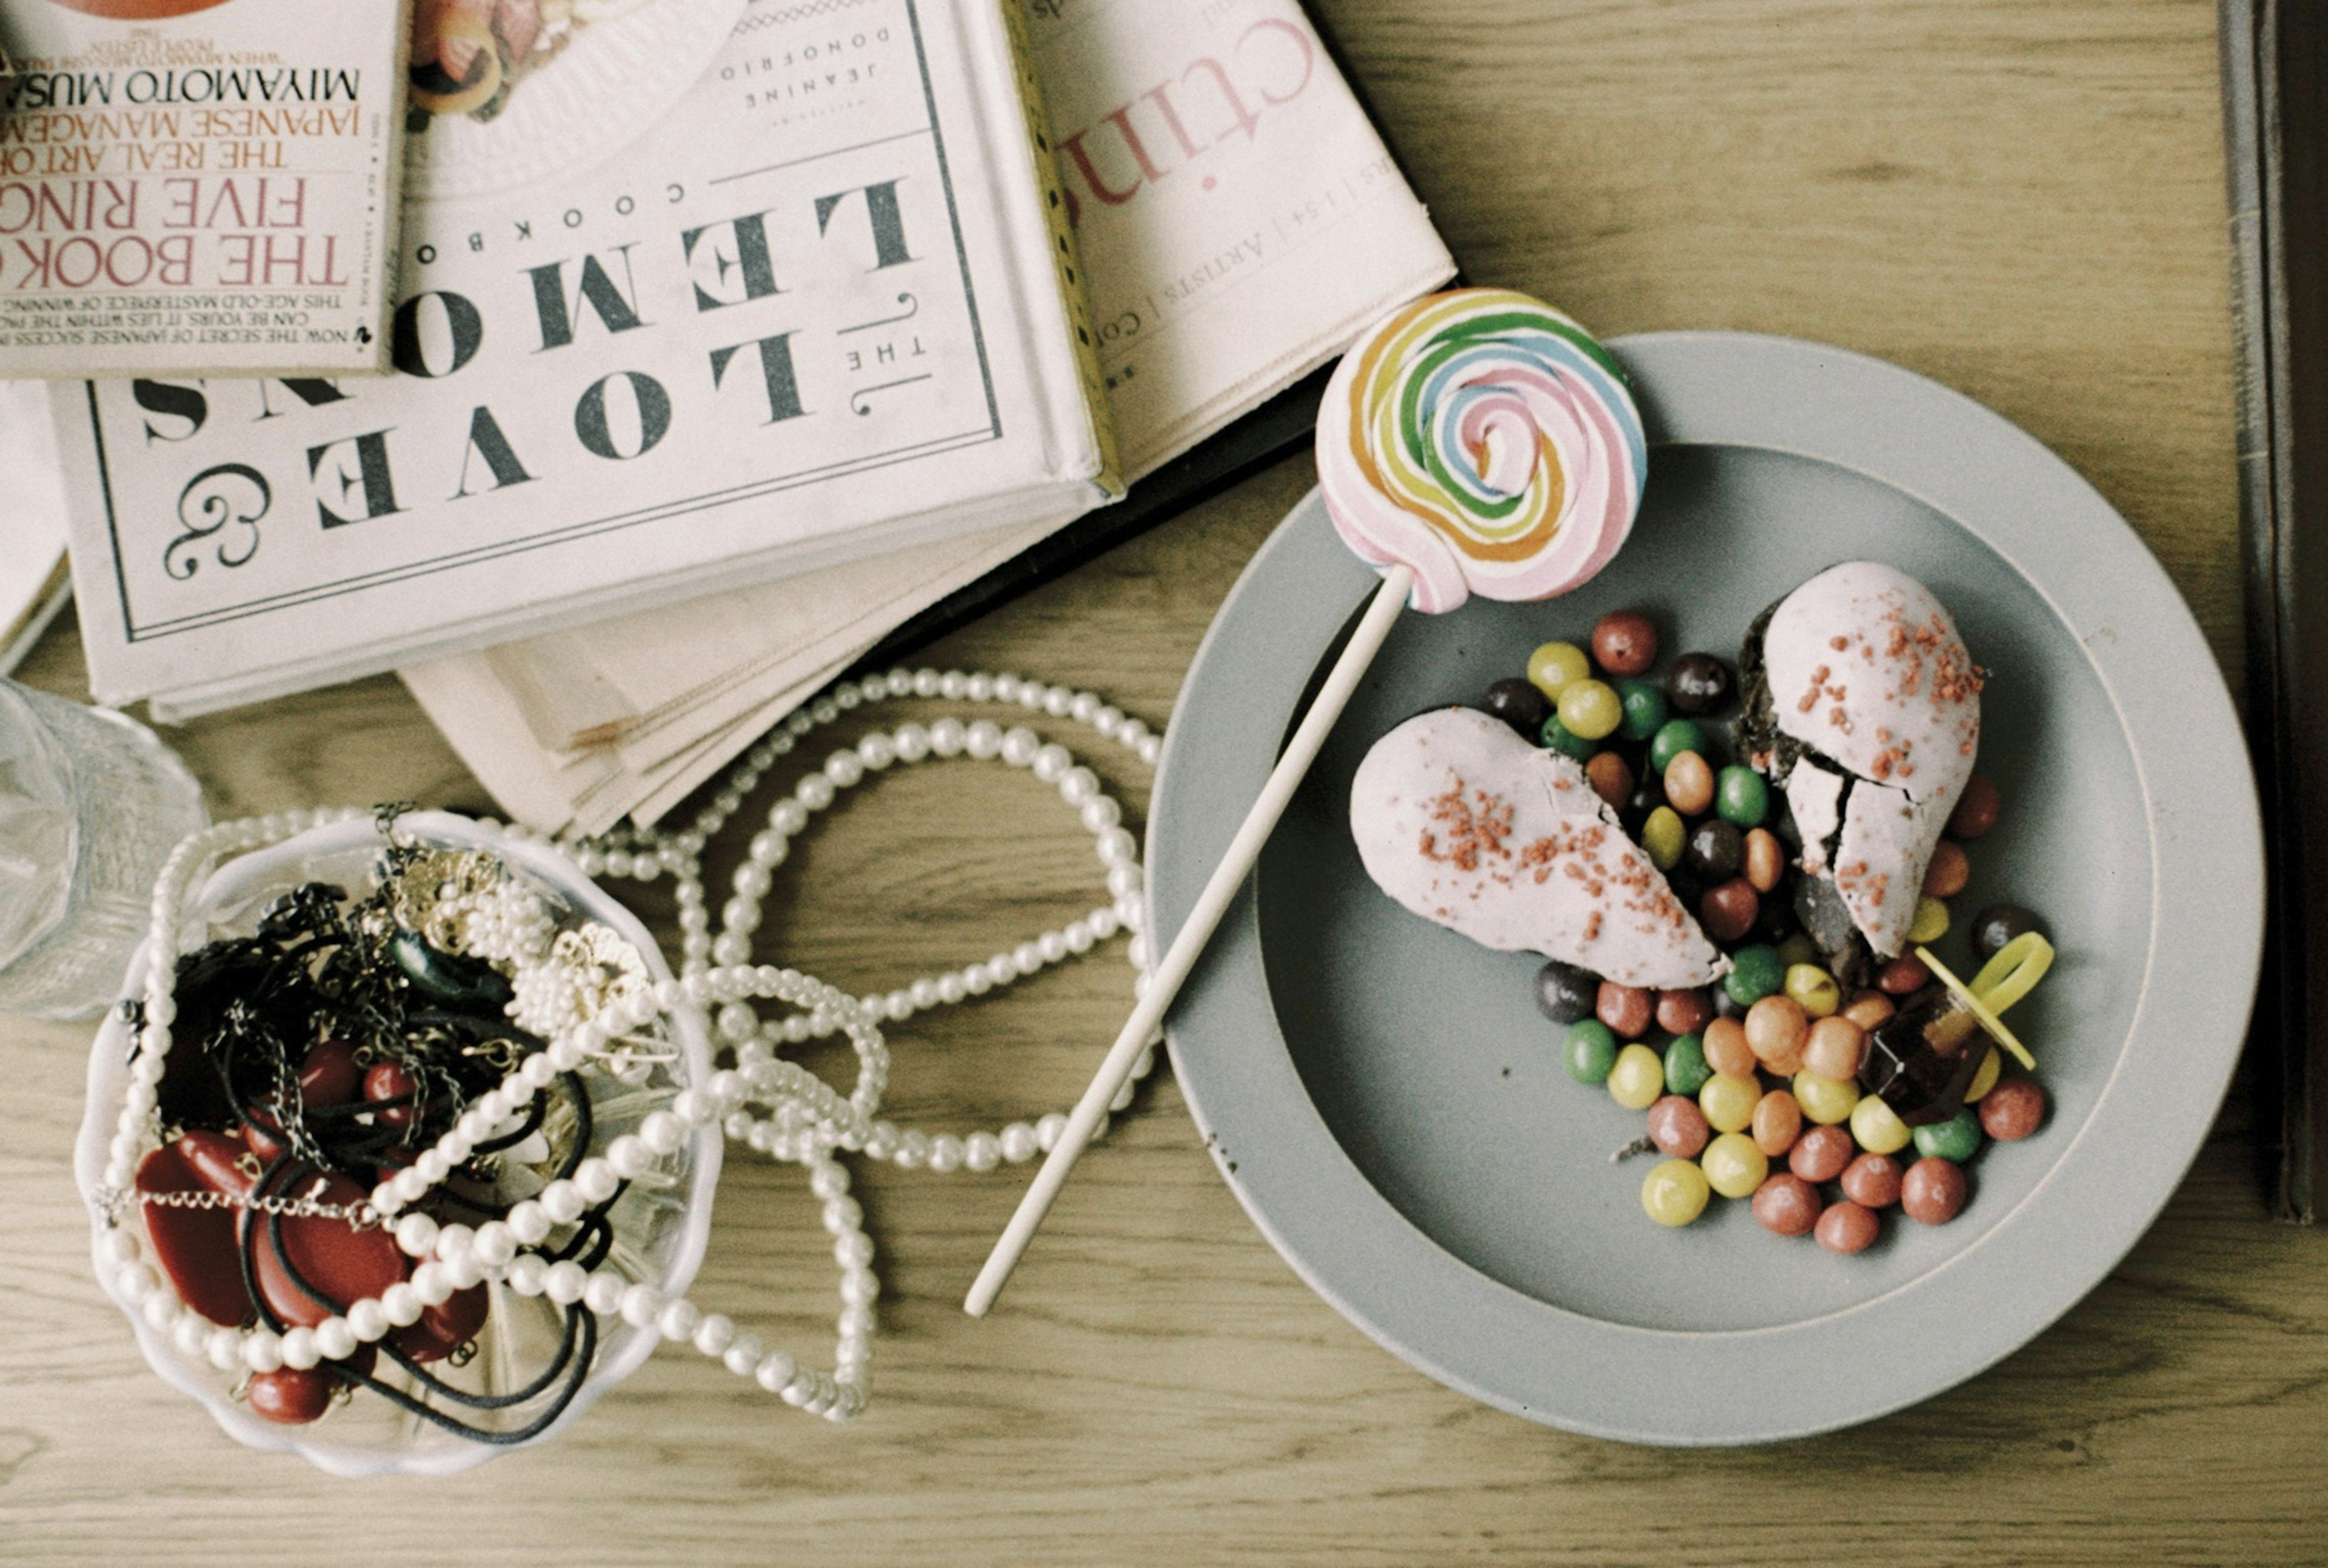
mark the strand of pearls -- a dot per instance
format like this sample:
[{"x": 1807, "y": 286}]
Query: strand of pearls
[
  {"x": 803, "y": 1120},
  {"x": 645, "y": 857}
]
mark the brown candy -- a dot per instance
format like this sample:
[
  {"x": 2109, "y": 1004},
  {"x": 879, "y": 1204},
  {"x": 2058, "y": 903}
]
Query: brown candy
[
  {"x": 1868, "y": 1008},
  {"x": 1835, "y": 1047},
  {"x": 1932, "y": 1192},
  {"x": 1612, "y": 781},
  {"x": 1786, "y": 1205},
  {"x": 1683, "y": 1012},
  {"x": 1728, "y": 912}
]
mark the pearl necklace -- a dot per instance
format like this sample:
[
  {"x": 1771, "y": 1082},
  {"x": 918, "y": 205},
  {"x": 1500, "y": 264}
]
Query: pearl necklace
[{"x": 803, "y": 1120}]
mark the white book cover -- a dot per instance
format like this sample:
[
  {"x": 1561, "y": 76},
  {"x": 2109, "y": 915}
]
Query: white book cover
[
  {"x": 198, "y": 186},
  {"x": 713, "y": 292}
]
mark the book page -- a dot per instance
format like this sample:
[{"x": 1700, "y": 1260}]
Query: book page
[{"x": 1238, "y": 217}]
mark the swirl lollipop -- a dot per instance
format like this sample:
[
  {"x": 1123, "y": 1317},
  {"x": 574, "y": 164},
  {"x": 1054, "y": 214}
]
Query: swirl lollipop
[
  {"x": 1475, "y": 441},
  {"x": 1483, "y": 440}
]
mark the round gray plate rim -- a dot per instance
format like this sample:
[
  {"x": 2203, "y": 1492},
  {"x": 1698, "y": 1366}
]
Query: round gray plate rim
[{"x": 1727, "y": 1386}]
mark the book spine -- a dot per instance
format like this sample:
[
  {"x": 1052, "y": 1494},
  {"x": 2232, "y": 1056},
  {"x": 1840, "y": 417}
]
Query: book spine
[{"x": 1065, "y": 264}]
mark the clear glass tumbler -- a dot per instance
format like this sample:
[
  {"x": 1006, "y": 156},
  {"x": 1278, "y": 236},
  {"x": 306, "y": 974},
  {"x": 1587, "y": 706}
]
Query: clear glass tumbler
[{"x": 91, "y": 804}]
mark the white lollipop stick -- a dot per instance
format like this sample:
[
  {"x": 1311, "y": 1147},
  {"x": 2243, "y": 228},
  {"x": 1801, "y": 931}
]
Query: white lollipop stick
[{"x": 1164, "y": 982}]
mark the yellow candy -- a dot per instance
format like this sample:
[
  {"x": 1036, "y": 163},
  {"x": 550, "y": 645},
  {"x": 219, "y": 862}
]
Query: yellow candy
[
  {"x": 1555, "y": 665},
  {"x": 1877, "y": 1128},
  {"x": 1734, "y": 1165},
  {"x": 1674, "y": 1192},
  {"x": 1664, "y": 837},
  {"x": 1931, "y": 921},
  {"x": 1984, "y": 1080},
  {"x": 1729, "y": 1102},
  {"x": 1638, "y": 1078},
  {"x": 1814, "y": 987},
  {"x": 1825, "y": 1101}
]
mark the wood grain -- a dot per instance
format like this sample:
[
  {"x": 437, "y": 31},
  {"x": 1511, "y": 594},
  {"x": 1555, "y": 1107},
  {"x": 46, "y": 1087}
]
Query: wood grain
[{"x": 2022, "y": 198}]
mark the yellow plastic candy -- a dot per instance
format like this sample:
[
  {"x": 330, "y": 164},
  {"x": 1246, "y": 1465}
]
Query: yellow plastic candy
[
  {"x": 1638, "y": 1078},
  {"x": 2014, "y": 972},
  {"x": 1728, "y": 1101},
  {"x": 1980, "y": 1009},
  {"x": 1825, "y": 1101},
  {"x": 1675, "y": 1193},
  {"x": 1984, "y": 1078},
  {"x": 1734, "y": 1165},
  {"x": 1877, "y": 1128}
]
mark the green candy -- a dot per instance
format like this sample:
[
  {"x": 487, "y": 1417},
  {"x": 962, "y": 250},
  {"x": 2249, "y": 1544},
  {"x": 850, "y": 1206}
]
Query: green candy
[
  {"x": 1674, "y": 738},
  {"x": 1741, "y": 796},
  {"x": 1955, "y": 1139},
  {"x": 1592, "y": 1051},
  {"x": 1685, "y": 1069},
  {"x": 1756, "y": 972},
  {"x": 1645, "y": 709},
  {"x": 1557, "y": 737}
]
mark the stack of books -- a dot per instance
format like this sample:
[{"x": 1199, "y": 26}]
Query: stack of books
[{"x": 717, "y": 339}]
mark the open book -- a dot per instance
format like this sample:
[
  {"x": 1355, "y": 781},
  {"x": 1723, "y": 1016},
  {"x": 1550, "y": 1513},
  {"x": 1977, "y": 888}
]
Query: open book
[
  {"x": 1239, "y": 220},
  {"x": 715, "y": 291}
]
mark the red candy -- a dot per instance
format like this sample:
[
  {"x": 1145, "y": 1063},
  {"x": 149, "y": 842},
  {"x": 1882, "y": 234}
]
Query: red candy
[
  {"x": 1847, "y": 1227},
  {"x": 1786, "y": 1205},
  {"x": 1903, "y": 975},
  {"x": 1933, "y": 1191},
  {"x": 2013, "y": 1110},
  {"x": 1678, "y": 1127},
  {"x": 1624, "y": 1008},
  {"x": 1873, "y": 1181},
  {"x": 1821, "y": 1153},
  {"x": 1624, "y": 643}
]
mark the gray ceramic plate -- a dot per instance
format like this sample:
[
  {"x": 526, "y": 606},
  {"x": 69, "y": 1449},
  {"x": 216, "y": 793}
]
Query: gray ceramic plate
[{"x": 1392, "y": 1110}]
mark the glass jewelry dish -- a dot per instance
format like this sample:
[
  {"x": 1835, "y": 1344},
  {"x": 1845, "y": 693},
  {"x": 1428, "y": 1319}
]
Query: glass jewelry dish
[{"x": 660, "y": 1227}]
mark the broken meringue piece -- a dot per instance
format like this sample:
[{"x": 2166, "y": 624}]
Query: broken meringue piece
[
  {"x": 1864, "y": 707},
  {"x": 1464, "y": 822}
]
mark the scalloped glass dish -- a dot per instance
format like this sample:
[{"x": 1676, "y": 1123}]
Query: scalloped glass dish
[
  {"x": 660, "y": 1231},
  {"x": 1388, "y": 1103}
]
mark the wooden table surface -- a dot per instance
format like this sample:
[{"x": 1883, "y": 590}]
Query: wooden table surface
[{"x": 2022, "y": 198}]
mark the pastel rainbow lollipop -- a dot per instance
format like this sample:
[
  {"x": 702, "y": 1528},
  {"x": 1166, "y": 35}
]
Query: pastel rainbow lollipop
[
  {"x": 1475, "y": 441},
  {"x": 1485, "y": 442}
]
